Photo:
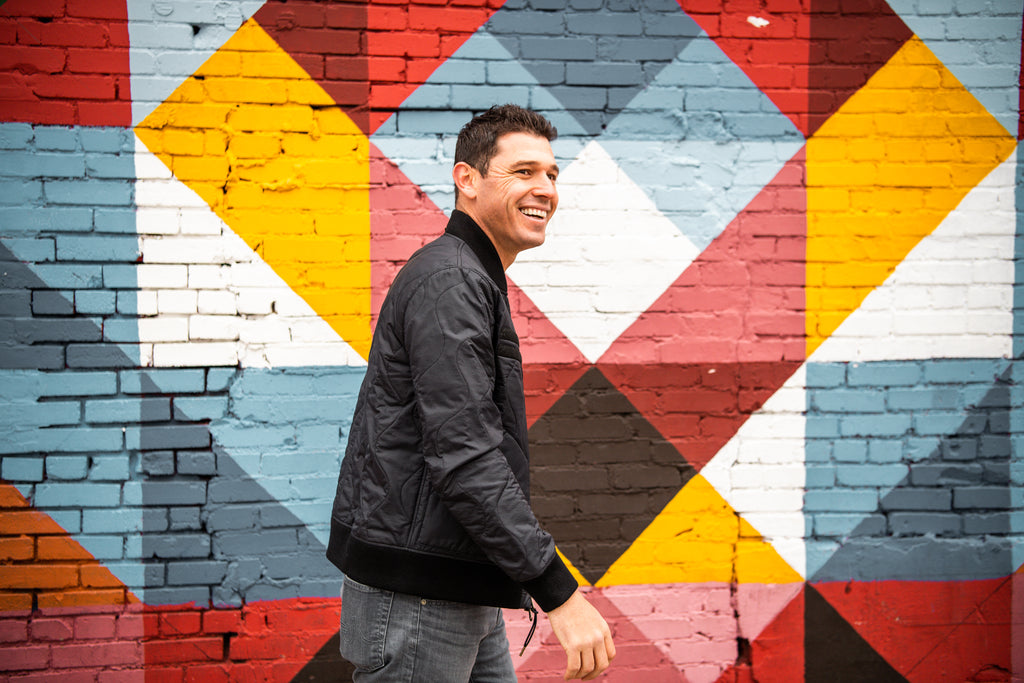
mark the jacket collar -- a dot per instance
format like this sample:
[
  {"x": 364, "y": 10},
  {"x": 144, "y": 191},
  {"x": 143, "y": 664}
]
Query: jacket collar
[{"x": 465, "y": 228}]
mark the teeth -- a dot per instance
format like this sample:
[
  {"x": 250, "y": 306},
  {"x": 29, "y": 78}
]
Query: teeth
[{"x": 536, "y": 213}]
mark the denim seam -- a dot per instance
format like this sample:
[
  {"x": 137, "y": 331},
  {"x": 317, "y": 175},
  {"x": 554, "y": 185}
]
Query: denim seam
[
  {"x": 415, "y": 641},
  {"x": 385, "y": 624}
]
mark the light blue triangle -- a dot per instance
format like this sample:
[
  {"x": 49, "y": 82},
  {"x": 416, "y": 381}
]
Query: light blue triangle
[
  {"x": 702, "y": 140},
  {"x": 420, "y": 137}
]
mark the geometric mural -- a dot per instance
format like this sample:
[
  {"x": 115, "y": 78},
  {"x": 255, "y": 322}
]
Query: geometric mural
[{"x": 770, "y": 344}]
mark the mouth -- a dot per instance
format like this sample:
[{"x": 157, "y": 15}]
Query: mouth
[{"x": 534, "y": 213}]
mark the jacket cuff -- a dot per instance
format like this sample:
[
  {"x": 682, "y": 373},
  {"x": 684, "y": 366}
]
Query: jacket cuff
[{"x": 553, "y": 587}]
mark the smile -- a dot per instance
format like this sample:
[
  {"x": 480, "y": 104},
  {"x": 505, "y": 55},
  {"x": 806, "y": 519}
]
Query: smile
[{"x": 534, "y": 213}]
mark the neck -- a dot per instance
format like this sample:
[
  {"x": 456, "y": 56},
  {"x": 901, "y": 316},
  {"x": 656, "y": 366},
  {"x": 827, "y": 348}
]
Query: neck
[
  {"x": 465, "y": 228},
  {"x": 506, "y": 258}
]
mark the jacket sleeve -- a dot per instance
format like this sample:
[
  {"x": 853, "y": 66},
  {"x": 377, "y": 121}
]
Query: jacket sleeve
[{"x": 448, "y": 330}]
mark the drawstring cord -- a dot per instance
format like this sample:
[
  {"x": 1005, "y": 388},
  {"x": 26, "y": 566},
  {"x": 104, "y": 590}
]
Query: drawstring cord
[{"x": 533, "y": 627}]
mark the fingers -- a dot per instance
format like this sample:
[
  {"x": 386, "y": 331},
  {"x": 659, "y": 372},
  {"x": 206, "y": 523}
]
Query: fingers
[
  {"x": 588, "y": 665},
  {"x": 590, "y": 662},
  {"x": 572, "y": 665},
  {"x": 580, "y": 664},
  {"x": 585, "y": 636},
  {"x": 600, "y": 664}
]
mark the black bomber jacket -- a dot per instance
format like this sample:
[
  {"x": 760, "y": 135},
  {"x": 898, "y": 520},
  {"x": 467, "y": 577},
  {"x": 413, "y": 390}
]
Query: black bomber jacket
[{"x": 433, "y": 494}]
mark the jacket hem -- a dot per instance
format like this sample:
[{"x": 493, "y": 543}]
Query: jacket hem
[{"x": 421, "y": 574}]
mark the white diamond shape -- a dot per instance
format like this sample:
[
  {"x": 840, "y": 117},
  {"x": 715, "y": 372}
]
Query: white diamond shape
[{"x": 608, "y": 256}]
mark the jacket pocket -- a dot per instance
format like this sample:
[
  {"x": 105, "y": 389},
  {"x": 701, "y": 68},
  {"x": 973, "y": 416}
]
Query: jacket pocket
[{"x": 365, "y": 612}]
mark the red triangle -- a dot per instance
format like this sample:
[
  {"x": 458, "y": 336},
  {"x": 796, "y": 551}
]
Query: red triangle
[
  {"x": 545, "y": 383},
  {"x": 551, "y": 363},
  {"x": 636, "y": 657},
  {"x": 698, "y": 407},
  {"x": 808, "y": 61},
  {"x": 930, "y": 630},
  {"x": 70, "y": 64},
  {"x": 777, "y": 654},
  {"x": 542, "y": 343},
  {"x": 417, "y": 38},
  {"x": 371, "y": 55},
  {"x": 742, "y": 299},
  {"x": 402, "y": 219},
  {"x": 1017, "y": 616},
  {"x": 267, "y": 641}
]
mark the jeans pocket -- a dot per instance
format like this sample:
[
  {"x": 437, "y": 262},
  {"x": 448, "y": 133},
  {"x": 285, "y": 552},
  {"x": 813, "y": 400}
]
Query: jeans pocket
[{"x": 365, "y": 612}]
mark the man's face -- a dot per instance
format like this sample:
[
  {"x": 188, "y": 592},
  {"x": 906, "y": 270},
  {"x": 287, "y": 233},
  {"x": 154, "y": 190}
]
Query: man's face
[{"x": 517, "y": 197}]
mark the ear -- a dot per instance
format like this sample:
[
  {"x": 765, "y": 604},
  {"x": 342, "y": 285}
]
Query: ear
[{"x": 466, "y": 178}]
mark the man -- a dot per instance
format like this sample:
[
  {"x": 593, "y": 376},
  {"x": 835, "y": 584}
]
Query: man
[{"x": 432, "y": 524}]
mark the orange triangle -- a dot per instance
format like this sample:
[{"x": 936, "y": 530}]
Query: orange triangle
[{"x": 44, "y": 566}]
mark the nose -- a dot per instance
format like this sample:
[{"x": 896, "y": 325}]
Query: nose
[{"x": 545, "y": 186}]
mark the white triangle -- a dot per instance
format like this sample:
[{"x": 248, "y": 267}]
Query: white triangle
[
  {"x": 609, "y": 254},
  {"x": 205, "y": 298},
  {"x": 952, "y": 296},
  {"x": 761, "y": 472}
]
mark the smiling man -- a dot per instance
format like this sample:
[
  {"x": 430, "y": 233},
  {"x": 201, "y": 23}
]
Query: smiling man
[{"x": 432, "y": 524}]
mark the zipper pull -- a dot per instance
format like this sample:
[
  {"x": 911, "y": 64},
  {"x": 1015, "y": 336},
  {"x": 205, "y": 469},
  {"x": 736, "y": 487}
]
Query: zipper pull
[{"x": 533, "y": 627}]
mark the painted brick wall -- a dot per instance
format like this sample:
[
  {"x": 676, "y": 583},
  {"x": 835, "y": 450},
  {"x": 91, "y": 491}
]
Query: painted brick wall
[{"x": 770, "y": 344}]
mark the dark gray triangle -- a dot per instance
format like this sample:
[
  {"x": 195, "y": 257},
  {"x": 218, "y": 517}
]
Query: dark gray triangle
[
  {"x": 919, "y": 532},
  {"x": 594, "y": 61},
  {"x": 600, "y": 473},
  {"x": 326, "y": 666},
  {"x": 833, "y": 650}
]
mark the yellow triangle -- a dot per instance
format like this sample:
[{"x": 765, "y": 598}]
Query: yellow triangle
[
  {"x": 280, "y": 163},
  {"x": 699, "y": 538},
  {"x": 883, "y": 172}
]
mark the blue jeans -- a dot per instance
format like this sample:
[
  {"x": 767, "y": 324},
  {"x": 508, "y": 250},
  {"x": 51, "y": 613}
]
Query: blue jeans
[{"x": 394, "y": 637}]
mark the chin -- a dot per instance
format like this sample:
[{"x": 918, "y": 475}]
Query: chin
[{"x": 524, "y": 245}]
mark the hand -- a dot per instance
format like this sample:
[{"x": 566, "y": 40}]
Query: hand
[{"x": 584, "y": 636}]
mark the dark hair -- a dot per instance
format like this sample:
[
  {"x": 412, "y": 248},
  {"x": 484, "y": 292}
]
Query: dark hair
[{"x": 478, "y": 139}]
